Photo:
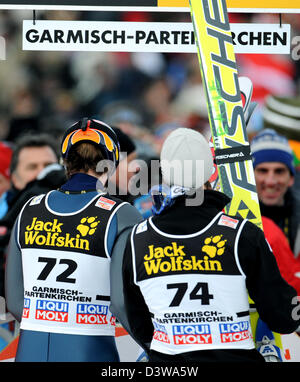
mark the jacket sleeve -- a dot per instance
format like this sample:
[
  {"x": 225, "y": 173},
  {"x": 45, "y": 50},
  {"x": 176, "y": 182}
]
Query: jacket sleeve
[
  {"x": 275, "y": 300},
  {"x": 137, "y": 313},
  {"x": 127, "y": 217},
  {"x": 14, "y": 288},
  {"x": 127, "y": 302}
]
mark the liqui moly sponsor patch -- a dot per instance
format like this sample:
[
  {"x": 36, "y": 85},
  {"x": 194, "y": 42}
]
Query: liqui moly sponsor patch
[
  {"x": 234, "y": 332},
  {"x": 91, "y": 314},
  {"x": 48, "y": 310},
  {"x": 160, "y": 333},
  {"x": 26, "y": 308},
  {"x": 192, "y": 334}
]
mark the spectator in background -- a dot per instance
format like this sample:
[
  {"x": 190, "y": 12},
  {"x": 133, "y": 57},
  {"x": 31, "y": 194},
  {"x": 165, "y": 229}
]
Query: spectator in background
[
  {"x": 133, "y": 177},
  {"x": 126, "y": 168},
  {"x": 275, "y": 174},
  {"x": 148, "y": 176},
  {"x": 32, "y": 153},
  {"x": 5, "y": 158}
]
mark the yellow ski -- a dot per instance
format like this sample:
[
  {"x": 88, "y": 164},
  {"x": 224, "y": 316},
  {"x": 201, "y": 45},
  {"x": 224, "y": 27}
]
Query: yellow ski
[{"x": 227, "y": 122}]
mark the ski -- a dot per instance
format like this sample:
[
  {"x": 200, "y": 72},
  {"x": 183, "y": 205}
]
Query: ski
[
  {"x": 246, "y": 88},
  {"x": 226, "y": 116}
]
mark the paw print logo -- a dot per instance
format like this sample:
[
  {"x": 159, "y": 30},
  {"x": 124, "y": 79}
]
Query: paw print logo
[
  {"x": 214, "y": 245},
  {"x": 88, "y": 226}
]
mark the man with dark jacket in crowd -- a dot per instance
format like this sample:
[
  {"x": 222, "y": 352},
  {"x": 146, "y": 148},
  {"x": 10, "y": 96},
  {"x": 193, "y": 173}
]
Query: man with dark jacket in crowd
[{"x": 275, "y": 175}]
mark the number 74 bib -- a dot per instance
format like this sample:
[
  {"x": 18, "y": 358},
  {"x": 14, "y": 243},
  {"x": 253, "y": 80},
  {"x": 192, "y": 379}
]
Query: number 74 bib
[{"x": 193, "y": 286}]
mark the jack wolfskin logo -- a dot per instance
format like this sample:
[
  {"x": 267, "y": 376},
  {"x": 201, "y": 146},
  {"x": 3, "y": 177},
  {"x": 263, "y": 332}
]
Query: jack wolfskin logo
[
  {"x": 175, "y": 258},
  {"x": 214, "y": 245},
  {"x": 51, "y": 233},
  {"x": 88, "y": 226}
]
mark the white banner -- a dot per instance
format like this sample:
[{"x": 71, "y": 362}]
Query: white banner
[{"x": 54, "y": 35}]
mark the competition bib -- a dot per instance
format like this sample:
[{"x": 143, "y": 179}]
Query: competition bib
[
  {"x": 66, "y": 268},
  {"x": 193, "y": 286}
]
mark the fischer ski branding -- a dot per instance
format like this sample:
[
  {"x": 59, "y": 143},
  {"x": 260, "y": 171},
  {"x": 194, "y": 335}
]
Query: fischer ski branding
[
  {"x": 225, "y": 108},
  {"x": 226, "y": 113},
  {"x": 246, "y": 88}
]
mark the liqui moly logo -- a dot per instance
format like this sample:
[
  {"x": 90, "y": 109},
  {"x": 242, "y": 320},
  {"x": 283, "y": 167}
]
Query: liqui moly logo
[
  {"x": 52, "y": 310},
  {"x": 192, "y": 334},
  {"x": 238, "y": 331},
  {"x": 91, "y": 314},
  {"x": 160, "y": 333},
  {"x": 26, "y": 308}
]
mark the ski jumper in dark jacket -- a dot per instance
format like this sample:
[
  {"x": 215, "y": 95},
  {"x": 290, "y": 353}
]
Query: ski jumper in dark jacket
[{"x": 186, "y": 275}]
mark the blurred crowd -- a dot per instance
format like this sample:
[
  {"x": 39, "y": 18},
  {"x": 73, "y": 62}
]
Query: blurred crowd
[
  {"x": 145, "y": 95},
  {"x": 149, "y": 93}
]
